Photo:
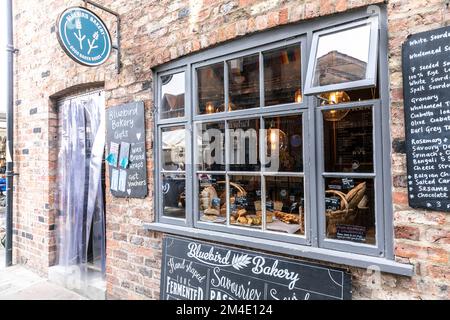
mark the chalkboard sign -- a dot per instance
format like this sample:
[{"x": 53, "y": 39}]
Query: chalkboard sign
[
  {"x": 126, "y": 154},
  {"x": 426, "y": 83},
  {"x": 196, "y": 270}
]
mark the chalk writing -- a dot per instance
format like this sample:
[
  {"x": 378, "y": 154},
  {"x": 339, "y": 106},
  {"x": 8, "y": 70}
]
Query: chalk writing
[{"x": 426, "y": 82}]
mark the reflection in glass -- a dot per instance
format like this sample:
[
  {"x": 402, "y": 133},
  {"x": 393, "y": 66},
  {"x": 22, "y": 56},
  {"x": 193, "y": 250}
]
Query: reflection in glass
[
  {"x": 285, "y": 205},
  {"x": 212, "y": 198},
  {"x": 284, "y": 137},
  {"x": 336, "y": 97},
  {"x": 350, "y": 209},
  {"x": 348, "y": 140},
  {"x": 243, "y": 76},
  {"x": 282, "y": 76},
  {"x": 173, "y": 148},
  {"x": 211, "y": 89},
  {"x": 342, "y": 56},
  {"x": 245, "y": 194},
  {"x": 172, "y": 95},
  {"x": 211, "y": 146},
  {"x": 174, "y": 195},
  {"x": 243, "y": 138}
]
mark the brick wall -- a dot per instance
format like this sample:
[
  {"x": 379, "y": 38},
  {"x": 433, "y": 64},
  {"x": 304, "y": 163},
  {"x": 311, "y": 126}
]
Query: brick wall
[{"x": 155, "y": 32}]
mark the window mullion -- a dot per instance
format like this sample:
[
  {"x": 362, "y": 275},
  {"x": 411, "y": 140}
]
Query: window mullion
[{"x": 261, "y": 81}]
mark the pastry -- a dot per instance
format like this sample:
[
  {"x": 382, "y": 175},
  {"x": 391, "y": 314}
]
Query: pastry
[
  {"x": 232, "y": 219},
  {"x": 209, "y": 217},
  {"x": 269, "y": 216},
  {"x": 242, "y": 220},
  {"x": 211, "y": 211},
  {"x": 241, "y": 212},
  {"x": 206, "y": 197}
]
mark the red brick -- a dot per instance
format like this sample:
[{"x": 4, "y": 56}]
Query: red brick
[{"x": 406, "y": 232}]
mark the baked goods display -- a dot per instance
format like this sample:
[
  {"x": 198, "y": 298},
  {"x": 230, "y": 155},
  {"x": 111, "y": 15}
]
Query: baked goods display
[{"x": 245, "y": 211}]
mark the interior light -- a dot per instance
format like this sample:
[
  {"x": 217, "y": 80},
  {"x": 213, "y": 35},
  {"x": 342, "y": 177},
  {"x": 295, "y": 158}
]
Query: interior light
[{"x": 298, "y": 96}]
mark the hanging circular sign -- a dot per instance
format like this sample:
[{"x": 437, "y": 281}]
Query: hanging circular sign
[{"x": 84, "y": 36}]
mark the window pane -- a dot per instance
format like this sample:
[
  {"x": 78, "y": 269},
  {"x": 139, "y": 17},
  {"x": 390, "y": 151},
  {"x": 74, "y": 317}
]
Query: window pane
[
  {"x": 211, "y": 146},
  {"x": 282, "y": 76},
  {"x": 243, "y": 138},
  {"x": 285, "y": 205},
  {"x": 172, "y": 95},
  {"x": 342, "y": 56},
  {"x": 348, "y": 140},
  {"x": 173, "y": 148},
  {"x": 211, "y": 89},
  {"x": 350, "y": 209},
  {"x": 284, "y": 140},
  {"x": 243, "y": 76},
  {"x": 174, "y": 195},
  {"x": 212, "y": 198},
  {"x": 245, "y": 194}
]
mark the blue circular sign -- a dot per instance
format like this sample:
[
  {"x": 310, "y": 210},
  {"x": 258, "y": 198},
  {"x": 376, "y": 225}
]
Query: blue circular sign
[{"x": 84, "y": 36}]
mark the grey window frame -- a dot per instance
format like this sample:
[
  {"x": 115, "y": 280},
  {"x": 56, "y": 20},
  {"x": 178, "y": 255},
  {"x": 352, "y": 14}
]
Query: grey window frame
[
  {"x": 371, "y": 71},
  {"x": 316, "y": 247}
]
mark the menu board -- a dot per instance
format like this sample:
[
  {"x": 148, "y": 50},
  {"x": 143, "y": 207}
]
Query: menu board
[
  {"x": 196, "y": 270},
  {"x": 126, "y": 154},
  {"x": 426, "y": 84}
]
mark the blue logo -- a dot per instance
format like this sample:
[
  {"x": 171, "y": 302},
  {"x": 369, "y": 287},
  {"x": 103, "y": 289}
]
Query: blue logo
[{"x": 84, "y": 36}]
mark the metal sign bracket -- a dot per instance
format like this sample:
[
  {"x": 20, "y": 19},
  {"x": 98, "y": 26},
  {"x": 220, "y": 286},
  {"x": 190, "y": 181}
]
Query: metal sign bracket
[{"x": 115, "y": 46}]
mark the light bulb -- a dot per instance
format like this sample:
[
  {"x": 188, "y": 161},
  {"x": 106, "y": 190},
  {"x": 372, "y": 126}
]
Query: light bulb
[
  {"x": 298, "y": 96},
  {"x": 209, "y": 107}
]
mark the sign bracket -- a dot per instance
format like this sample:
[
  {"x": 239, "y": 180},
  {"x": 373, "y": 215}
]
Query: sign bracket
[{"x": 116, "y": 46}]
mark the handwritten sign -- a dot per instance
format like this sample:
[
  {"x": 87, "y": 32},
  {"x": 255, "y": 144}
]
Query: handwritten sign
[
  {"x": 196, "y": 270},
  {"x": 426, "y": 83},
  {"x": 126, "y": 150}
]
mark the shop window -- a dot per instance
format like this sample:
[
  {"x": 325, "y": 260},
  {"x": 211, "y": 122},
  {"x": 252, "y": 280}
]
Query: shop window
[
  {"x": 174, "y": 195},
  {"x": 282, "y": 76},
  {"x": 274, "y": 160},
  {"x": 285, "y": 205},
  {"x": 173, "y": 148},
  {"x": 211, "y": 146},
  {"x": 243, "y": 149},
  {"x": 243, "y": 75},
  {"x": 350, "y": 209},
  {"x": 348, "y": 138},
  {"x": 343, "y": 57},
  {"x": 172, "y": 95},
  {"x": 284, "y": 140},
  {"x": 211, "y": 91}
]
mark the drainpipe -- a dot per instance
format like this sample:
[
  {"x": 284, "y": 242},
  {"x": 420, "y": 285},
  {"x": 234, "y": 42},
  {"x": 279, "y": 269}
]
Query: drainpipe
[{"x": 10, "y": 131}]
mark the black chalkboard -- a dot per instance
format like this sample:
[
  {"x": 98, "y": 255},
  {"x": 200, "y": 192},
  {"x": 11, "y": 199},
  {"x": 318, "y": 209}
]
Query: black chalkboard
[
  {"x": 126, "y": 152},
  {"x": 426, "y": 85},
  {"x": 196, "y": 270}
]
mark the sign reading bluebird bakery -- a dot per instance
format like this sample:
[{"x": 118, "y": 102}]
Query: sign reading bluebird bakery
[
  {"x": 84, "y": 36},
  {"x": 197, "y": 270}
]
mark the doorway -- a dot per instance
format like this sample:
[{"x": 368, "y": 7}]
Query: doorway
[{"x": 80, "y": 197}]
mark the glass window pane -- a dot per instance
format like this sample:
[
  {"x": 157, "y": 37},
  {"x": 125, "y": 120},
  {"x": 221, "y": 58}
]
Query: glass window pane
[
  {"x": 212, "y": 198},
  {"x": 243, "y": 76},
  {"x": 173, "y": 148},
  {"x": 211, "y": 146},
  {"x": 342, "y": 56},
  {"x": 174, "y": 195},
  {"x": 285, "y": 205},
  {"x": 284, "y": 140},
  {"x": 350, "y": 209},
  {"x": 348, "y": 140},
  {"x": 245, "y": 194},
  {"x": 211, "y": 89},
  {"x": 243, "y": 138},
  {"x": 172, "y": 95},
  {"x": 283, "y": 76}
]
